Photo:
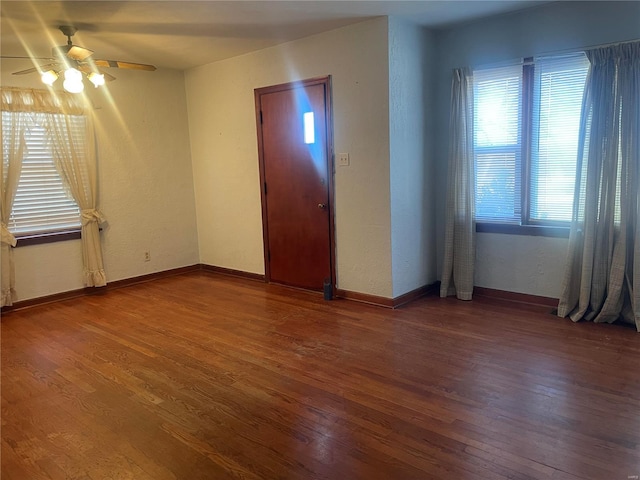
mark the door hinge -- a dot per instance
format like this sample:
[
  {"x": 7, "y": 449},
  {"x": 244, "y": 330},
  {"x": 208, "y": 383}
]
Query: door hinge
[
  {"x": 265, "y": 188},
  {"x": 269, "y": 255},
  {"x": 260, "y": 117}
]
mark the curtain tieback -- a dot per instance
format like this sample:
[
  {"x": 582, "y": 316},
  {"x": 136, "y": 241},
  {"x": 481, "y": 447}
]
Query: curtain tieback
[
  {"x": 90, "y": 215},
  {"x": 6, "y": 236}
]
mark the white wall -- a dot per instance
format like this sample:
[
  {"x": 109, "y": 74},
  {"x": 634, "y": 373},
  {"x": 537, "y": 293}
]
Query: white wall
[
  {"x": 225, "y": 157},
  {"x": 150, "y": 158},
  {"x": 145, "y": 181},
  {"x": 532, "y": 265},
  {"x": 412, "y": 165}
]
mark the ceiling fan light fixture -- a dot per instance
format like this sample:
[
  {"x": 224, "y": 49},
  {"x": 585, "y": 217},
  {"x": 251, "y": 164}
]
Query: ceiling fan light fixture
[
  {"x": 49, "y": 77},
  {"x": 73, "y": 81},
  {"x": 96, "y": 78},
  {"x": 65, "y": 57}
]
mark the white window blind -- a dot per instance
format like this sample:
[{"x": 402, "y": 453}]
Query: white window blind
[
  {"x": 497, "y": 143},
  {"x": 526, "y": 127},
  {"x": 41, "y": 204},
  {"x": 557, "y": 101}
]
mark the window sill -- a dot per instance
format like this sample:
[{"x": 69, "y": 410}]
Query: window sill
[
  {"x": 39, "y": 239},
  {"x": 530, "y": 230}
]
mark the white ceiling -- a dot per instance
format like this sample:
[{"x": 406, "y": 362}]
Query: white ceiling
[{"x": 184, "y": 34}]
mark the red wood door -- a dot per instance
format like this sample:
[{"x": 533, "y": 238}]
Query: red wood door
[{"x": 296, "y": 197}]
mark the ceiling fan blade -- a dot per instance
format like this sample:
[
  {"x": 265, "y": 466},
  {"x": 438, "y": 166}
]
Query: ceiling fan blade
[
  {"x": 24, "y": 72},
  {"x": 41, "y": 68},
  {"x": 118, "y": 64},
  {"x": 79, "y": 53},
  {"x": 108, "y": 77},
  {"x": 26, "y": 58}
]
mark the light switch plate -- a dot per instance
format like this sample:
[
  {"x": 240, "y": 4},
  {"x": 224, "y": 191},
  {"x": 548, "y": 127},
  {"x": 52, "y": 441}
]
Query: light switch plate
[{"x": 343, "y": 159}]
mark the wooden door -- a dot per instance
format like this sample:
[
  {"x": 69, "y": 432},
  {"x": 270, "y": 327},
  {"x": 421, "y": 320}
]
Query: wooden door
[{"x": 295, "y": 169}]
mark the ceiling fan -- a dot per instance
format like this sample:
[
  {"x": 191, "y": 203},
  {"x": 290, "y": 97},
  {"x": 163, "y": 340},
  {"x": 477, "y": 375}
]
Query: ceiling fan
[{"x": 73, "y": 61}]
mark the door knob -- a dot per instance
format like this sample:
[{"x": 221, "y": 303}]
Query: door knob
[{"x": 322, "y": 206}]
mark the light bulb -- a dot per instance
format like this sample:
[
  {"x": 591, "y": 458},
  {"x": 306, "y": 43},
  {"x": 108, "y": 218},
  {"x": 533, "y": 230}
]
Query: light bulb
[
  {"x": 72, "y": 74},
  {"x": 73, "y": 81},
  {"x": 49, "y": 77},
  {"x": 96, "y": 78}
]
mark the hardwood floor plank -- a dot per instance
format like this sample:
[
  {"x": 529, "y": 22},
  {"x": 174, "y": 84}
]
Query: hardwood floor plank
[{"x": 202, "y": 376}]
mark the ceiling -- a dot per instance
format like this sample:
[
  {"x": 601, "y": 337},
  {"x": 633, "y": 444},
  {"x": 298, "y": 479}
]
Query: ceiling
[{"x": 185, "y": 34}]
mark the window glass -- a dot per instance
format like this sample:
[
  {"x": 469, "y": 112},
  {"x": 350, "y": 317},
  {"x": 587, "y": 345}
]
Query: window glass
[
  {"x": 526, "y": 128},
  {"x": 497, "y": 143},
  {"x": 557, "y": 103},
  {"x": 41, "y": 204}
]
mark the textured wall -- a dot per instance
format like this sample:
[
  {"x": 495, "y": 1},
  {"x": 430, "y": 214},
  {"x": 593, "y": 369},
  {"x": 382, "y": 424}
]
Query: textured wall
[
  {"x": 532, "y": 265},
  {"x": 523, "y": 264},
  {"x": 225, "y": 156},
  {"x": 145, "y": 181},
  {"x": 411, "y": 156}
]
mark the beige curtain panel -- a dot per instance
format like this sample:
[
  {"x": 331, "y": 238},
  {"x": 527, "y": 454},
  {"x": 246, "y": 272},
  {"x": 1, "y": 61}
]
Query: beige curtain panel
[
  {"x": 13, "y": 148},
  {"x": 602, "y": 280},
  {"x": 76, "y": 163},
  {"x": 459, "y": 253}
]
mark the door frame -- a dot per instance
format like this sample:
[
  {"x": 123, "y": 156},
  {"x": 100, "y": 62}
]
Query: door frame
[{"x": 258, "y": 92}]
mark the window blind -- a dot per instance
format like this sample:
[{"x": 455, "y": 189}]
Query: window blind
[
  {"x": 497, "y": 143},
  {"x": 557, "y": 101},
  {"x": 41, "y": 204}
]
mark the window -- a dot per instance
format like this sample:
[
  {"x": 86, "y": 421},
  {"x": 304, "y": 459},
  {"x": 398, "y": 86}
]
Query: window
[
  {"x": 41, "y": 204},
  {"x": 526, "y": 124},
  {"x": 309, "y": 128}
]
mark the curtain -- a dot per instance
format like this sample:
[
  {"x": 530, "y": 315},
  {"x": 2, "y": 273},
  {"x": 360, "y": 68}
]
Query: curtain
[
  {"x": 75, "y": 160},
  {"x": 76, "y": 163},
  {"x": 602, "y": 279},
  {"x": 459, "y": 253},
  {"x": 13, "y": 148}
]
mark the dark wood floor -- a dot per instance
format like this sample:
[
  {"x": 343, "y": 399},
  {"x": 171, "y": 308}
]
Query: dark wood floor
[{"x": 204, "y": 376}]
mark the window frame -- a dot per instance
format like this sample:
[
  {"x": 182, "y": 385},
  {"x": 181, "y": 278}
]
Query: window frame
[
  {"x": 24, "y": 239},
  {"x": 47, "y": 237},
  {"x": 527, "y": 225}
]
